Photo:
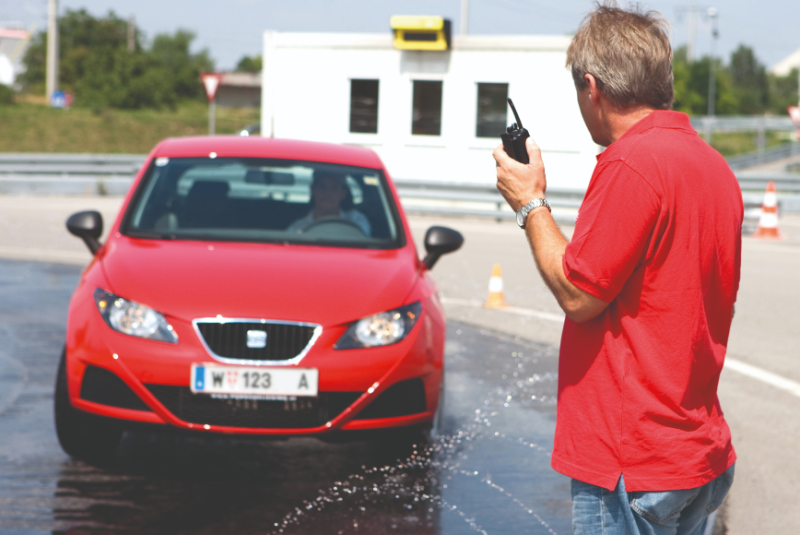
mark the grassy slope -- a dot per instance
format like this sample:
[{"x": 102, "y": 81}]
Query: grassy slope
[
  {"x": 733, "y": 143},
  {"x": 26, "y": 127}
]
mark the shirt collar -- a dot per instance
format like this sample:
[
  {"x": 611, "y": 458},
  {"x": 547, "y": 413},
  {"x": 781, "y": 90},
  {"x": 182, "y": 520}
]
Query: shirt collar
[
  {"x": 657, "y": 119},
  {"x": 660, "y": 119}
]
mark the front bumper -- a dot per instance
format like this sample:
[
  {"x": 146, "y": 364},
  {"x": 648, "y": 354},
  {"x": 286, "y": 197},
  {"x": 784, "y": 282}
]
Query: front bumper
[{"x": 363, "y": 389}]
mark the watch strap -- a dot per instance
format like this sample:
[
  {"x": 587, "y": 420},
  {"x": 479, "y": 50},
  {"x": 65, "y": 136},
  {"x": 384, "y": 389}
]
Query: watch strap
[{"x": 522, "y": 214}]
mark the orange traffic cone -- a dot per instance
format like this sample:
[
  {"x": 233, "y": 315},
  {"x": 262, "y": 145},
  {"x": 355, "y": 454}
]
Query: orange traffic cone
[
  {"x": 496, "y": 298},
  {"x": 768, "y": 223}
]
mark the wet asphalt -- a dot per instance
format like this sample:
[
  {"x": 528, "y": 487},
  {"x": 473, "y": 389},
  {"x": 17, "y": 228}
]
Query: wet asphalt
[{"x": 487, "y": 473}]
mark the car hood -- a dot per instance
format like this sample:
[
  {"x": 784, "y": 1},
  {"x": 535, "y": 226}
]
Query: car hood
[{"x": 324, "y": 285}]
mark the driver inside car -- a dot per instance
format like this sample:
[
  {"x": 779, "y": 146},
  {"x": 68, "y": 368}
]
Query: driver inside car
[{"x": 331, "y": 199}]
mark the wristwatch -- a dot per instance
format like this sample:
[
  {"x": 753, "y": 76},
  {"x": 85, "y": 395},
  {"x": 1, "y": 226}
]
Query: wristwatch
[{"x": 523, "y": 212}]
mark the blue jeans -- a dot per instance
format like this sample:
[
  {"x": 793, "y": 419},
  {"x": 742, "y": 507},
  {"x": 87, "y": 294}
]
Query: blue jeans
[{"x": 598, "y": 511}]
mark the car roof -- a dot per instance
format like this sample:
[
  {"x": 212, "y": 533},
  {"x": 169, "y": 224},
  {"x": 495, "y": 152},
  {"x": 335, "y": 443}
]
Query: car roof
[{"x": 261, "y": 147}]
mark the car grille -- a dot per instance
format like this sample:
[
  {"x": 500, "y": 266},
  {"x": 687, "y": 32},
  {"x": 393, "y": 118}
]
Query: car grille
[
  {"x": 293, "y": 413},
  {"x": 229, "y": 339}
]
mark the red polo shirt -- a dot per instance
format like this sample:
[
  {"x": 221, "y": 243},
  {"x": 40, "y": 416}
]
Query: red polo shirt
[{"x": 659, "y": 238}]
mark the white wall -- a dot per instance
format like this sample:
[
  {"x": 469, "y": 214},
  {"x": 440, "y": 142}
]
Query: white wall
[{"x": 306, "y": 95}]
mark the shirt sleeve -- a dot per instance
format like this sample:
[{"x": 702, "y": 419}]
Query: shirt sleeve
[{"x": 613, "y": 230}]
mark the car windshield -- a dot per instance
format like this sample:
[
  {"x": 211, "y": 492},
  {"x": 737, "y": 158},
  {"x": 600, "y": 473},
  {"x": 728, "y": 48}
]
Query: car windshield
[{"x": 264, "y": 200}]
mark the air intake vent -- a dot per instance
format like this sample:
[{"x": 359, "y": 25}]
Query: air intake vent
[
  {"x": 293, "y": 413},
  {"x": 401, "y": 399},
  {"x": 102, "y": 386}
]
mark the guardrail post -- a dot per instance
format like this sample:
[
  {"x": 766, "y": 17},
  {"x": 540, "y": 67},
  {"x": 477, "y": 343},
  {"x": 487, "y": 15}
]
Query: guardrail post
[{"x": 761, "y": 140}]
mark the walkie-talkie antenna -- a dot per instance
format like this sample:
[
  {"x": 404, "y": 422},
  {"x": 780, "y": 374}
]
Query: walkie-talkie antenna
[{"x": 510, "y": 103}]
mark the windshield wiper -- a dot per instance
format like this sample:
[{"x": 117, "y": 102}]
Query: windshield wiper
[{"x": 151, "y": 235}]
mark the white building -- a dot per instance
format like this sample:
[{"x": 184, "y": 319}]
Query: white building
[
  {"x": 785, "y": 66},
  {"x": 430, "y": 115}
]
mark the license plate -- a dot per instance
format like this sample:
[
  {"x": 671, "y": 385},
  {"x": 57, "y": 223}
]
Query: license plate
[{"x": 216, "y": 379}]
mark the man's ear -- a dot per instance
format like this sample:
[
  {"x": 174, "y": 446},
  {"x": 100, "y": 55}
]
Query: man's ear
[{"x": 591, "y": 83}]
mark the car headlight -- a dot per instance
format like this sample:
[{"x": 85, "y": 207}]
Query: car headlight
[
  {"x": 133, "y": 319},
  {"x": 382, "y": 329}
]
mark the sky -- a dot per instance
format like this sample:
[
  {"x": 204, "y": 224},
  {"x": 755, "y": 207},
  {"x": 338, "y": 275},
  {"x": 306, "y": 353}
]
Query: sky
[{"x": 234, "y": 28}]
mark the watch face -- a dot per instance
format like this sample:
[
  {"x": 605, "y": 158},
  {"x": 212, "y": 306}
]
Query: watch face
[{"x": 521, "y": 219}]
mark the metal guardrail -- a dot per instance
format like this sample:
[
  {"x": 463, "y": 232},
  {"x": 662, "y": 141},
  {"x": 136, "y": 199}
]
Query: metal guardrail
[
  {"x": 38, "y": 164},
  {"x": 476, "y": 200},
  {"x": 751, "y": 159},
  {"x": 92, "y": 174},
  {"x": 741, "y": 123},
  {"x": 784, "y": 182}
]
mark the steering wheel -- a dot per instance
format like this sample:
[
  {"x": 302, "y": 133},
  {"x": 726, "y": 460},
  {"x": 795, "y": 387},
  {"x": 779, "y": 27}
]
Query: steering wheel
[{"x": 334, "y": 227}]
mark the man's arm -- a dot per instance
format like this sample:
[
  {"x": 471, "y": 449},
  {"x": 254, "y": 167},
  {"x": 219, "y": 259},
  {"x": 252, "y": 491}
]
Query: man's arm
[{"x": 520, "y": 184}]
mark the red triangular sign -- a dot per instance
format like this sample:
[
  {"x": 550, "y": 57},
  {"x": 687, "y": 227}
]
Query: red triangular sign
[{"x": 211, "y": 81}]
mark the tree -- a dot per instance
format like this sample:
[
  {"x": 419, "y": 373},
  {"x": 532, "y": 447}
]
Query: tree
[
  {"x": 96, "y": 65},
  {"x": 249, "y": 64},
  {"x": 172, "y": 53},
  {"x": 782, "y": 91},
  {"x": 80, "y": 37},
  {"x": 687, "y": 99},
  {"x": 691, "y": 85},
  {"x": 749, "y": 81}
]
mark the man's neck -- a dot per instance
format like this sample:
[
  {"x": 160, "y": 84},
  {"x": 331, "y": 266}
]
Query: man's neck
[
  {"x": 319, "y": 214},
  {"x": 618, "y": 121}
]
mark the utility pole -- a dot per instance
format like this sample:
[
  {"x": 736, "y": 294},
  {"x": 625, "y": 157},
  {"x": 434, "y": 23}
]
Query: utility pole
[
  {"x": 713, "y": 14},
  {"x": 692, "y": 31},
  {"x": 51, "y": 84},
  {"x": 212, "y": 117},
  {"x": 712, "y": 76},
  {"x": 131, "y": 34},
  {"x": 464, "y": 17}
]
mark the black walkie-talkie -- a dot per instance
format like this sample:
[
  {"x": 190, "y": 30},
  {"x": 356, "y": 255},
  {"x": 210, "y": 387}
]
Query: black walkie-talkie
[{"x": 514, "y": 138}]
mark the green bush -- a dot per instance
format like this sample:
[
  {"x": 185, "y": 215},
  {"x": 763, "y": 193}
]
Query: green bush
[
  {"x": 249, "y": 64},
  {"x": 6, "y": 95}
]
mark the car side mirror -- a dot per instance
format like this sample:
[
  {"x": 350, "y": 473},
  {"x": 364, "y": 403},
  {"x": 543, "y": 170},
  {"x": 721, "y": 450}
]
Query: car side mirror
[
  {"x": 439, "y": 241},
  {"x": 88, "y": 226}
]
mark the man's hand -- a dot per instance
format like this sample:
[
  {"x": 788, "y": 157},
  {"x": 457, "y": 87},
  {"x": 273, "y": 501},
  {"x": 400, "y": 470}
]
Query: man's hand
[{"x": 519, "y": 183}]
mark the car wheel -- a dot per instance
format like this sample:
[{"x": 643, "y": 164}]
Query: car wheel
[{"x": 80, "y": 435}]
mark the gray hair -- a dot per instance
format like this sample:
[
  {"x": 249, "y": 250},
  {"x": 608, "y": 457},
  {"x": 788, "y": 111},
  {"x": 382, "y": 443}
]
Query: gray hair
[{"x": 628, "y": 53}]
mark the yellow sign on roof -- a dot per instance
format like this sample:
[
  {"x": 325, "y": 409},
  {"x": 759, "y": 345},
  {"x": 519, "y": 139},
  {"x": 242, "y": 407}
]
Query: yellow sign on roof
[
  {"x": 417, "y": 22},
  {"x": 419, "y": 32}
]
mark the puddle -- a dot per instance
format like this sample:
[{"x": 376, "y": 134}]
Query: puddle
[{"x": 448, "y": 482}]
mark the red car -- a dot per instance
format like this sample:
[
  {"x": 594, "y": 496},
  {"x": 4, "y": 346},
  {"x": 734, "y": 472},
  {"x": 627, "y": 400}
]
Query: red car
[{"x": 253, "y": 286}]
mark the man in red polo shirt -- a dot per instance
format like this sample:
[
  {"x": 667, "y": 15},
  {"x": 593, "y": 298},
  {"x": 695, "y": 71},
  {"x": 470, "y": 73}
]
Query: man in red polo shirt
[{"x": 648, "y": 283}]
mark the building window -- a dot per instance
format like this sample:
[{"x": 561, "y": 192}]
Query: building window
[
  {"x": 364, "y": 106},
  {"x": 427, "y": 113},
  {"x": 492, "y": 107}
]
